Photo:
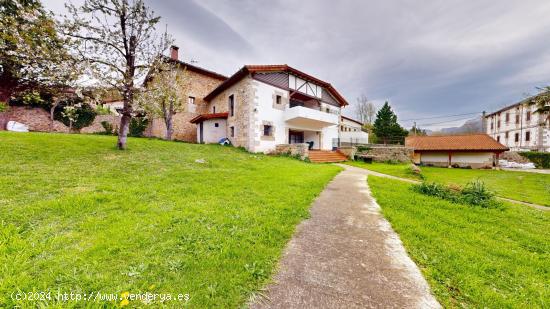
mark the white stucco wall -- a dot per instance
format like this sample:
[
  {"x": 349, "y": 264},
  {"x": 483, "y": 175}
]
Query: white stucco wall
[
  {"x": 472, "y": 159},
  {"x": 211, "y": 133},
  {"x": 264, "y": 112}
]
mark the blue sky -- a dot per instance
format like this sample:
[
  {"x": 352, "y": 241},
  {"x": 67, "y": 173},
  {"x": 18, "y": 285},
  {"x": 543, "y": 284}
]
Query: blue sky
[{"x": 428, "y": 58}]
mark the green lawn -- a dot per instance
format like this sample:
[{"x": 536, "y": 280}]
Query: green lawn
[
  {"x": 522, "y": 186},
  {"x": 472, "y": 257},
  {"x": 78, "y": 215}
]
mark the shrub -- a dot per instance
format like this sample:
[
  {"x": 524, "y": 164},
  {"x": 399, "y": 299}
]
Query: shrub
[
  {"x": 108, "y": 127},
  {"x": 541, "y": 159},
  {"x": 437, "y": 190},
  {"x": 83, "y": 117},
  {"x": 3, "y": 107},
  {"x": 415, "y": 171},
  {"x": 476, "y": 193},
  {"x": 362, "y": 148},
  {"x": 102, "y": 110},
  {"x": 138, "y": 126}
]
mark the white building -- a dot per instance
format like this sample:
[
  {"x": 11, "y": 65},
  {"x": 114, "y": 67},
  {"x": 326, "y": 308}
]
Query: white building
[
  {"x": 519, "y": 128},
  {"x": 351, "y": 131},
  {"x": 262, "y": 106}
]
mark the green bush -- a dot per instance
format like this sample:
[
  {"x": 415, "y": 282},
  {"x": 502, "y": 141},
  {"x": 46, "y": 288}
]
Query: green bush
[
  {"x": 474, "y": 193},
  {"x": 102, "y": 110},
  {"x": 3, "y": 107},
  {"x": 108, "y": 127},
  {"x": 85, "y": 114},
  {"x": 541, "y": 159},
  {"x": 362, "y": 148},
  {"x": 138, "y": 126},
  {"x": 437, "y": 190}
]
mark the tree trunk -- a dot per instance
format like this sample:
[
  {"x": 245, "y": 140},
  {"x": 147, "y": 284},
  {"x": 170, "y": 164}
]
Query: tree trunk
[
  {"x": 169, "y": 128},
  {"x": 123, "y": 131},
  {"x": 52, "y": 110}
]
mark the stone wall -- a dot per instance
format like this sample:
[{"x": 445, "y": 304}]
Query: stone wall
[
  {"x": 301, "y": 150},
  {"x": 38, "y": 119},
  {"x": 388, "y": 153},
  {"x": 348, "y": 151},
  {"x": 199, "y": 86},
  {"x": 244, "y": 98},
  {"x": 183, "y": 129},
  {"x": 513, "y": 156}
]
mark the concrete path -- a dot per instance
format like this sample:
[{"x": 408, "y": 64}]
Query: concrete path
[
  {"x": 536, "y": 171},
  {"x": 346, "y": 256}
]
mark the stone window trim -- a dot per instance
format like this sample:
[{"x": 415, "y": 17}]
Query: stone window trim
[
  {"x": 270, "y": 129},
  {"x": 279, "y": 100}
]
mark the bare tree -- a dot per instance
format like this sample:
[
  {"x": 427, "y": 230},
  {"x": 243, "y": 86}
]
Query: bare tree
[
  {"x": 165, "y": 94},
  {"x": 119, "y": 41},
  {"x": 365, "y": 110}
]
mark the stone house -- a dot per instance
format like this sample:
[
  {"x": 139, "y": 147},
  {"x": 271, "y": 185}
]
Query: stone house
[
  {"x": 473, "y": 151},
  {"x": 201, "y": 82},
  {"x": 262, "y": 106}
]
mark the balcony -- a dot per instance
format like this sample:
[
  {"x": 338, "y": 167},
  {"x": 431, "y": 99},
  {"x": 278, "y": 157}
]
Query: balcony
[{"x": 304, "y": 117}]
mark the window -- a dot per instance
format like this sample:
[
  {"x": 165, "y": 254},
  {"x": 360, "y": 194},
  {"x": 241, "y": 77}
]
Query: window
[
  {"x": 232, "y": 131},
  {"x": 498, "y": 138},
  {"x": 516, "y": 137},
  {"x": 507, "y": 117},
  {"x": 492, "y": 125},
  {"x": 214, "y": 109},
  {"x": 231, "y": 105},
  {"x": 506, "y": 135},
  {"x": 278, "y": 99},
  {"x": 268, "y": 130},
  {"x": 328, "y": 110},
  {"x": 191, "y": 104},
  {"x": 498, "y": 124},
  {"x": 517, "y": 118},
  {"x": 528, "y": 117},
  {"x": 216, "y": 125},
  {"x": 527, "y": 136}
]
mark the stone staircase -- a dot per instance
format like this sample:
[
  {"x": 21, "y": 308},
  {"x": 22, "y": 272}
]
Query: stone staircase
[{"x": 323, "y": 156}]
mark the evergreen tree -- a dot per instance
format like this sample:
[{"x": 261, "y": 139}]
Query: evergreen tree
[{"x": 386, "y": 127}]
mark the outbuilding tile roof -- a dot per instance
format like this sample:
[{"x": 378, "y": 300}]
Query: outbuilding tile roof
[{"x": 470, "y": 142}]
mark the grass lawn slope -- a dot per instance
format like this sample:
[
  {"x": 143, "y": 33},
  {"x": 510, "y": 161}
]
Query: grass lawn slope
[
  {"x": 78, "y": 215},
  {"x": 521, "y": 186},
  {"x": 472, "y": 257}
]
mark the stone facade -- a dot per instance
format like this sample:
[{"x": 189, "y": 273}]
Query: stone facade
[
  {"x": 244, "y": 102},
  {"x": 200, "y": 86},
  {"x": 301, "y": 150},
  {"x": 38, "y": 119},
  {"x": 388, "y": 153}
]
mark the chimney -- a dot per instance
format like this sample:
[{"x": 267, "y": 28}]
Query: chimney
[{"x": 174, "y": 52}]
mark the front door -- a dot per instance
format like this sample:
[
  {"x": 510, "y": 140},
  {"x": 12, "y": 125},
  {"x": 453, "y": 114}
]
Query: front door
[{"x": 295, "y": 137}]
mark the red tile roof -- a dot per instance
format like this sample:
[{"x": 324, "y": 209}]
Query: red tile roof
[
  {"x": 203, "y": 117},
  {"x": 471, "y": 142},
  {"x": 247, "y": 69}
]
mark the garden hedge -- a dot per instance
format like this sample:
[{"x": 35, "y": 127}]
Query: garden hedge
[{"x": 541, "y": 159}]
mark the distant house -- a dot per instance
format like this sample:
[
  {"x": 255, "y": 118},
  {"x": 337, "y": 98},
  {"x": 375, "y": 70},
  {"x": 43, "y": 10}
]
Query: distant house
[
  {"x": 474, "y": 151},
  {"x": 351, "y": 131},
  {"x": 519, "y": 127}
]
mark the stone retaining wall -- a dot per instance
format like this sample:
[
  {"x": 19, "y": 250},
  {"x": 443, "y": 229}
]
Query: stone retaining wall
[
  {"x": 38, "y": 119},
  {"x": 388, "y": 153},
  {"x": 301, "y": 150}
]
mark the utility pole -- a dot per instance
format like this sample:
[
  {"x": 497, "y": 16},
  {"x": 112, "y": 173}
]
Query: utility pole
[
  {"x": 414, "y": 128},
  {"x": 483, "y": 128}
]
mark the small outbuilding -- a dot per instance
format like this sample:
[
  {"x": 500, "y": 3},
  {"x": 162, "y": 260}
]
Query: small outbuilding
[{"x": 467, "y": 151}]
